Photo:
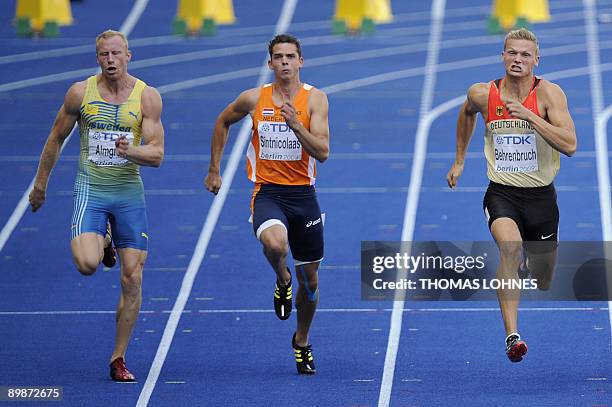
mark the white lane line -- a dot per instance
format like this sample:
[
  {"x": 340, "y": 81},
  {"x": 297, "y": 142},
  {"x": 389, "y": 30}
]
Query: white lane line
[
  {"x": 23, "y": 203},
  {"x": 132, "y": 18},
  {"x": 601, "y": 118},
  {"x": 17, "y": 214},
  {"x": 416, "y": 173},
  {"x": 76, "y": 312},
  {"x": 322, "y": 310},
  {"x": 212, "y": 217},
  {"x": 603, "y": 171}
]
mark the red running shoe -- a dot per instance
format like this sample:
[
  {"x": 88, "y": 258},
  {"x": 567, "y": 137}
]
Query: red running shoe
[
  {"x": 120, "y": 373},
  {"x": 110, "y": 257},
  {"x": 515, "y": 348}
]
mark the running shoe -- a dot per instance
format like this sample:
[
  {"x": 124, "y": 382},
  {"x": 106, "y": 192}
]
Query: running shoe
[
  {"x": 515, "y": 348},
  {"x": 120, "y": 373},
  {"x": 303, "y": 358},
  {"x": 110, "y": 256},
  {"x": 283, "y": 300}
]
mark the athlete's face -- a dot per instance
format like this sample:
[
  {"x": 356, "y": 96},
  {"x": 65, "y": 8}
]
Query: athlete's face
[
  {"x": 285, "y": 61},
  {"x": 520, "y": 56},
  {"x": 113, "y": 57}
]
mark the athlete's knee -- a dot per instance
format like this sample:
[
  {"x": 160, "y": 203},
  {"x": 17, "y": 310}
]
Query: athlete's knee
[
  {"x": 86, "y": 265},
  {"x": 309, "y": 283},
  {"x": 131, "y": 282},
  {"x": 275, "y": 248},
  {"x": 131, "y": 287},
  {"x": 312, "y": 292},
  {"x": 510, "y": 250}
]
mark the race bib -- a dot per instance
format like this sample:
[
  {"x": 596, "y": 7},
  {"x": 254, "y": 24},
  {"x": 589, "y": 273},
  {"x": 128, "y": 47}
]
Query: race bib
[
  {"x": 278, "y": 142},
  {"x": 102, "y": 151},
  {"x": 515, "y": 153}
]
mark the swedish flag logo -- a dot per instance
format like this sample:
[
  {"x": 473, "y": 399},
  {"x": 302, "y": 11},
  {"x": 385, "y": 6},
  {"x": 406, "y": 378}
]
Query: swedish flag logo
[{"x": 91, "y": 109}]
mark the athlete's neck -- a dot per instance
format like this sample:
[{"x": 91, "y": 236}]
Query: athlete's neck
[
  {"x": 287, "y": 90},
  {"x": 517, "y": 88},
  {"x": 116, "y": 86}
]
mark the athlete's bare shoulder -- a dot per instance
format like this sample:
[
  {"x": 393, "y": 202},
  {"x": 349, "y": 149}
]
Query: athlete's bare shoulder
[
  {"x": 151, "y": 102},
  {"x": 74, "y": 97},
  {"x": 318, "y": 102},
  {"x": 247, "y": 100},
  {"x": 318, "y": 94},
  {"x": 478, "y": 96},
  {"x": 550, "y": 91}
]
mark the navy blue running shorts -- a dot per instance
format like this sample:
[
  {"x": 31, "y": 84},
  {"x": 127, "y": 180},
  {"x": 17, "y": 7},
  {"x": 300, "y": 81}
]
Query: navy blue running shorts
[{"x": 296, "y": 208}]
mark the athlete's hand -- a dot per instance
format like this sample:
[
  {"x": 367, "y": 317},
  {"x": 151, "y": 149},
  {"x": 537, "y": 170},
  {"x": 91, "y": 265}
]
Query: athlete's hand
[
  {"x": 453, "y": 174},
  {"x": 290, "y": 114},
  {"x": 517, "y": 110},
  {"x": 213, "y": 182},
  {"x": 122, "y": 145},
  {"x": 37, "y": 198}
]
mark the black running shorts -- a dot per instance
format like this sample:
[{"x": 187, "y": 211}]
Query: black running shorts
[
  {"x": 533, "y": 209},
  {"x": 296, "y": 208}
]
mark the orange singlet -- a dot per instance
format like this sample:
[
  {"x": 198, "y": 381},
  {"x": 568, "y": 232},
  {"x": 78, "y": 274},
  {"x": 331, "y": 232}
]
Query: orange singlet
[{"x": 275, "y": 155}]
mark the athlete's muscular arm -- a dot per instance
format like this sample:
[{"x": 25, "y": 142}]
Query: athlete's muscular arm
[
  {"x": 234, "y": 112},
  {"x": 476, "y": 101},
  {"x": 62, "y": 127},
  {"x": 151, "y": 152},
  {"x": 559, "y": 130},
  {"x": 315, "y": 141}
]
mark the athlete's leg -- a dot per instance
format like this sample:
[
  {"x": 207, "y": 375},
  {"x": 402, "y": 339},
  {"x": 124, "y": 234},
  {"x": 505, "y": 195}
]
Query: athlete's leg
[
  {"x": 541, "y": 235},
  {"x": 508, "y": 238},
  {"x": 129, "y": 228},
  {"x": 306, "y": 300},
  {"x": 542, "y": 266},
  {"x": 132, "y": 264},
  {"x": 276, "y": 247}
]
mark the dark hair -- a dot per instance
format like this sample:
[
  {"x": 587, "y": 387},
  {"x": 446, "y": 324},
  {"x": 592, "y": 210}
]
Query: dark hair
[{"x": 284, "y": 38}]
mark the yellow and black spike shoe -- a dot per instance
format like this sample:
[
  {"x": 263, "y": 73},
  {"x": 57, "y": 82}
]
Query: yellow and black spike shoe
[
  {"x": 303, "y": 358},
  {"x": 283, "y": 300}
]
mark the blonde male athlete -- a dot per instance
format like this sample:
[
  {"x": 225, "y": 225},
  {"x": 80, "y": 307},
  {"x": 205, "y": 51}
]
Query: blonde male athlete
[
  {"x": 120, "y": 128},
  {"x": 527, "y": 125},
  {"x": 290, "y": 132}
]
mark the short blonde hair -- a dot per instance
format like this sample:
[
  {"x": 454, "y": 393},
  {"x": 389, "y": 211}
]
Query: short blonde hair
[
  {"x": 522, "y": 34},
  {"x": 109, "y": 34}
]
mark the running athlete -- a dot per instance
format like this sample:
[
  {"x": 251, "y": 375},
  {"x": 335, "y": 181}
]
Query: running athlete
[
  {"x": 120, "y": 128},
  {"x": 527, "y": 125},
  {"x": 290, "y": 132}
]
